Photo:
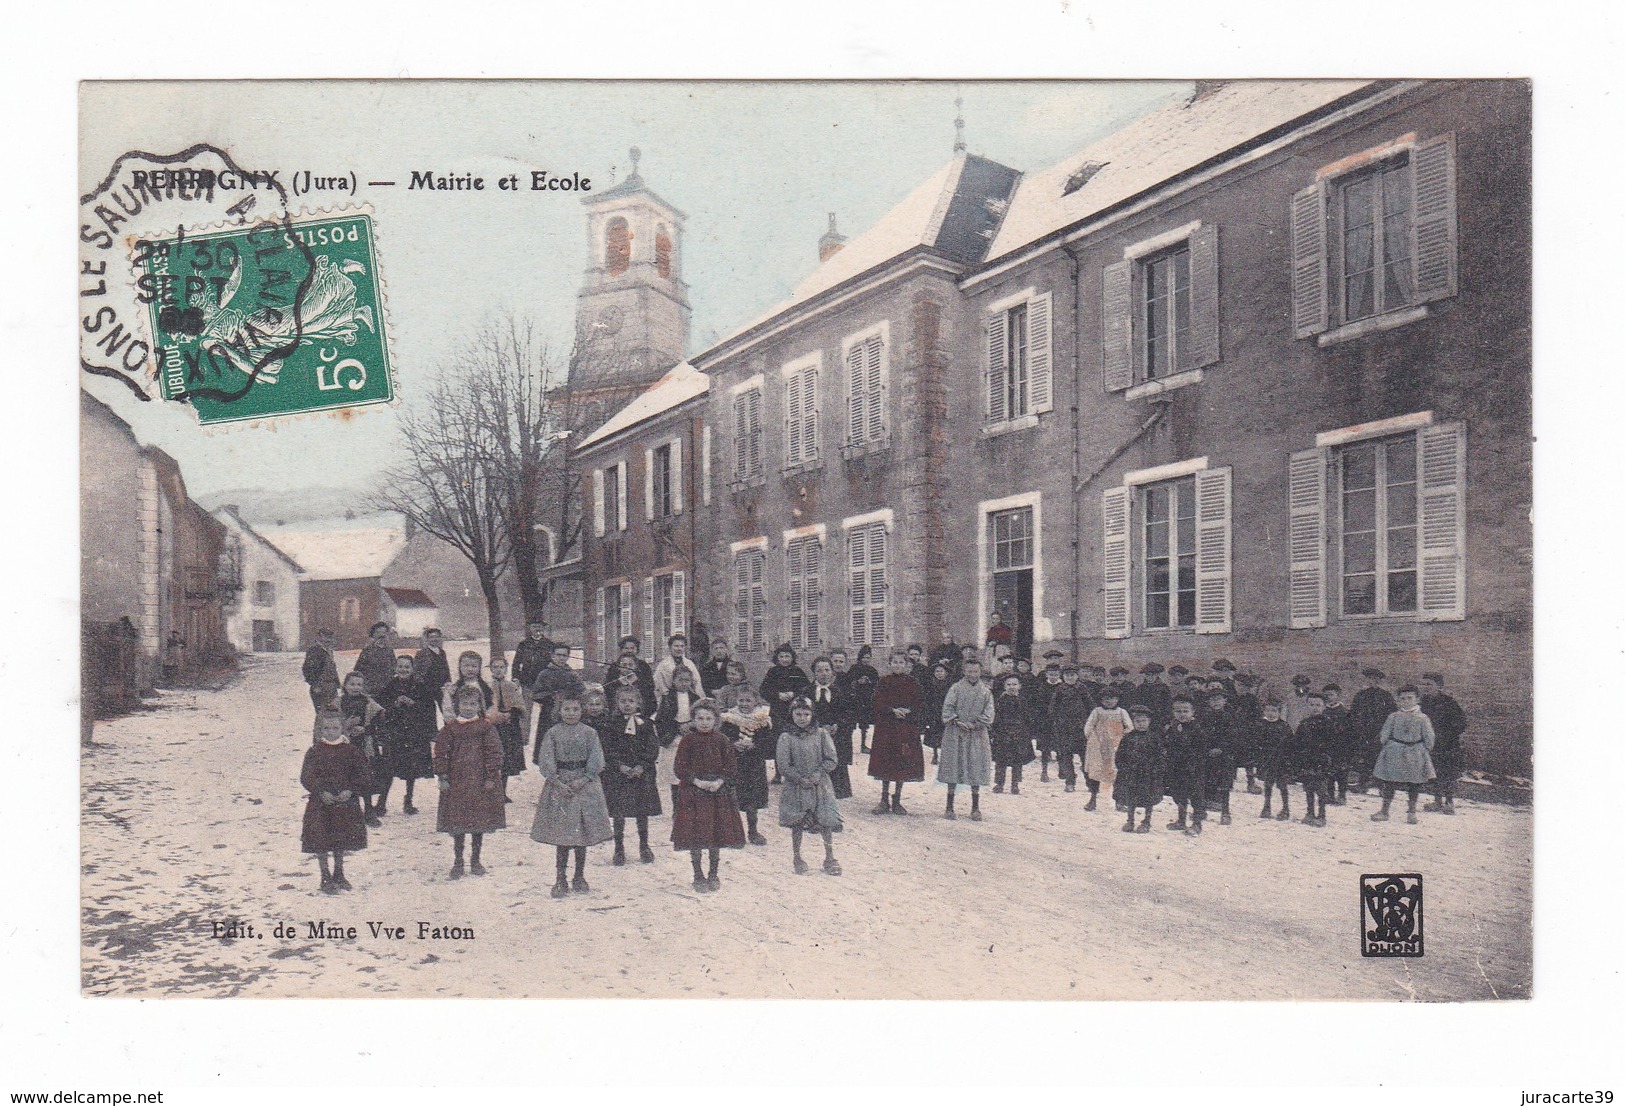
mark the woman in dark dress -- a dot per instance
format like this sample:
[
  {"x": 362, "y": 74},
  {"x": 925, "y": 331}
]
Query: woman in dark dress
[
  {"x": 857, "y": 686},
  {"x": 831, "y": 714},
  {"x": 899, "y": 710},
  {"x": 783, "y": 682}
]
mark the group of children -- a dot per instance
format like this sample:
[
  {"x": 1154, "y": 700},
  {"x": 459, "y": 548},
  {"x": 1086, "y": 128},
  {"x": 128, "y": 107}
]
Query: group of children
[{"x": 598, "y": 748}]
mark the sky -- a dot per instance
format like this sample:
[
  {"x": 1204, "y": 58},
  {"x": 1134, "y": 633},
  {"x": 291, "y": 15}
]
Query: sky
[{"x": 757, "y": 167}]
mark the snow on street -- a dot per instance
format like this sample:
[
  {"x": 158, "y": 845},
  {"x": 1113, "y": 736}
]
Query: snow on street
[{"x": 191, "y": 816}]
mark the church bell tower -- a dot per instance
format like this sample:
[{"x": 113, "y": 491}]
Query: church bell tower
[{"x": 632, "y": 311}]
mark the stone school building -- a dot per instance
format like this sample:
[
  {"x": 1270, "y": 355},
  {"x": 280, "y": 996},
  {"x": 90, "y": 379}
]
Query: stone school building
[{"x": 1248, "y": 378}]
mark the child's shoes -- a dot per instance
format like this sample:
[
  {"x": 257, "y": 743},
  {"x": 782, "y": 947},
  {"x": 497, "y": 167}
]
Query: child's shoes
[
  {"x": 456, "y": 870},
  {"x": 899, "y": 808},
  {"x": 561, "y": 889},
  {"x": 832, "y": 866},
  {"x": 620, "y": 856},
  {"x": 579, "y": 885},
  {"x": 1224, "y": 819},
  {"x": 342, "y": 884},
  {"x": 476, "y": 869},
  {"x": 646, "y": 854},
  {"x": 1284, "y": 816},
  {"x": 800, "y": 866}
]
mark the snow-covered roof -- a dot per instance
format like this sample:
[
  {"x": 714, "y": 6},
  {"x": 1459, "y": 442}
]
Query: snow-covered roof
[
  {"x": 954, "y": 211},
  {"x": 339, "y": 552},
  {"x": 681, "y": 384},
  {"x": 1153, "y": 149},
  {"x": 231, "y": 512}
]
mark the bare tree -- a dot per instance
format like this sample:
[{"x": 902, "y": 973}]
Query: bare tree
[{"x": 446, "y": 484}]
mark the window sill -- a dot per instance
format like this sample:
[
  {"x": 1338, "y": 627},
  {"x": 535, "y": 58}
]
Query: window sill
[
  {"x": 1165, "y": 384},
  {"x": 790, "y": 472},
  {"x": 1373, "y": 325},
  {"x": 737, "y": 486},
  {"x": 853, "y": 451},
  {"x": 1009, "y": 426}
]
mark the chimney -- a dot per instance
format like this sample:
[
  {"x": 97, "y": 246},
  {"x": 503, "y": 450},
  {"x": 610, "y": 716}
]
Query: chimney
[{"x": 831, "y": 243}]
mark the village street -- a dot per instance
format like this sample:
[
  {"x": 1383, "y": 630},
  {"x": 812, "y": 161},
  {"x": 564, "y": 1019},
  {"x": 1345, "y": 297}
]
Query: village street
[{"x": 191, "y": 816}]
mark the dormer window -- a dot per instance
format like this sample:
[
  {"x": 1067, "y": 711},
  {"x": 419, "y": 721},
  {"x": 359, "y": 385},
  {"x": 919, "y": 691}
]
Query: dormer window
[{"x": 617, "y": 247}]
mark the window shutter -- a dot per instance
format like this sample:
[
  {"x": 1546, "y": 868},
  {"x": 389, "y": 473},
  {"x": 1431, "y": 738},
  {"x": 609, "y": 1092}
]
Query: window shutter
[
  {"x": 809, "y": 414},
  {"x": 1116, "y": 326},
  {"x": 758, "y": 600},
  {"x": 620, "y": 497},
  {"x": 649, "y": 618},
  {"x": 679, "y": 602},
  {"x": 1114, "y": 559},
  {"x": 742, "y": 601},
  {"x": 676, "y": 476},
  {"x": 1309, "y": 295},
  {"x": 857, "y": 393},
  {"x": 598, "y": 502},
  {"x": 1040, "y": 375},
  {"x": 812, "y": 589},
  {"x": 754, "y": 411},
  {"x": 857, "y": 547},
  {"x": 1443, "y": 513},
  {"x": 705, "y": 466},
  {"x": 877, "y": 584},
  {"x": 1306, "y": 537},
  {"x": 624, "y": 625},
  {"x": 794, "y": 593},
  {"x": 648, "y": 485},
  {"x": 875, "y": 357},
  {"x": 741, "y": 435},
  {"x": 604, "y": 646},
  {"x": 993, "y": 370},
  {"x": 1433, "y": 217},
  {"x": 1204, "y": 327},
  {"x": 1213, "y": 551},
  {"x": 792, "y": 420}
]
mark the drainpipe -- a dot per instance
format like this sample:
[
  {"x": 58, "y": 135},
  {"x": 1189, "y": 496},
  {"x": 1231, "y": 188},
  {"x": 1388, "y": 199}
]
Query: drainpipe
[{"x": 1077, "y": 448}]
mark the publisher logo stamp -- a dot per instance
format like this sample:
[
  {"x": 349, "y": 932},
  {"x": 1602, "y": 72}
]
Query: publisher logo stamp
[{"x": 1391, "y": 915}]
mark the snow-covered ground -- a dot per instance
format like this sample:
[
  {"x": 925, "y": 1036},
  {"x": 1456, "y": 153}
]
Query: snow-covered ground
[{"x": 191, "y": 816}]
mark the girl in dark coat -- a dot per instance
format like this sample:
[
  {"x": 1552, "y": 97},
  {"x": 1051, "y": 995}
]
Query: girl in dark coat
[
  {"x": 334, "y": 776},
  {"x": 408, "y": 726},
  {"x": 1011, "y": 740},
  {"x": 899, "y": 710},
  {"x": 512, "y": 721},
  {"x": 360, "y": 712},
  {"x": 676, "y": 709},
  {"x": 468, "y": 762},
  {"x": 748, "y": 726},
  {"x": 631, "y": 755},
  {"x": 1139, "y": 770},
  {"x": 831, "y": 715},
  {"x": 627, "y": 675},
  {"x": 936, "y": 689},
  {"x": 705, "y": 814},
  {"x": 858, "y": 685},
  {"x": 783, "y": 682}
]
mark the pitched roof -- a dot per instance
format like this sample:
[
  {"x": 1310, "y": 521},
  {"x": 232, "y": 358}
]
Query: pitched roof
[
  {"x": 1153, "y": 149},
  {"x": 953, "y": 212},
  {"x": 409, "y": 597},
  {"x": 242, "y": 524},
  {"x": 682, "y": 383},
  {"x": 341, "y": 549}
]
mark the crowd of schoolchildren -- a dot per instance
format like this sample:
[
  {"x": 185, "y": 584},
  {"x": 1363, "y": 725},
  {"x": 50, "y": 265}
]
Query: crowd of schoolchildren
[{"x": 985, "y": 716}]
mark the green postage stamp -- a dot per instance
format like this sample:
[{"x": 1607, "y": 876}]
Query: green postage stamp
[{"x": 277, "y": 317}]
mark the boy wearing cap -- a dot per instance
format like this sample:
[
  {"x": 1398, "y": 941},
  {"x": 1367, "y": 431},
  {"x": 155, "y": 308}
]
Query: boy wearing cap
[
  {"x": 1225, "y": 673},
  {"x": 1297, "y": 703},
  {"x": 1449, "y": 723},
  {"x": 1312, "y": 758},
  {"x": 1040, "y": 708},
  {"x": 1139, "y": 771},
  {"x": 1247, "y": 712},
  {"x": 1118, "y": 678},
  {"x": 1274, "y": 742},
  {"x": 1343, "y": 749},
  {"x": 1185, "y": 749},
  {"x": 1069, "y": 715},
  {"x": 1367, "y": 712},
  {"x": 1102, "y": 734},
  {"x": 1219, "y": 772},
  {"x": 1151, "y": 692}
]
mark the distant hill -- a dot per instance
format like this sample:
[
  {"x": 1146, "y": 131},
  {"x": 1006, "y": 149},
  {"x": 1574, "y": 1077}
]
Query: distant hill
[{"x": 261, "y": 507}]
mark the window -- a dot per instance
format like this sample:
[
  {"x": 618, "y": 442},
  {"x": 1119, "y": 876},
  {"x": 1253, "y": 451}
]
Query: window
[
  {"x": 663, "y": 252},
  {"x": 801, "y": 414},
  {"x": 1017, "y": 368},
  {"x": 748, "y": 435},
  {"x": 1011, "y": 544},
  {"x": 670, "y": 613},
  {"x": 264, "y": 593},
  {"x": 1382, "y": 520},
  {"x": 1165, "y": 555},
  {"x": 349, "y": 610},
  {"x": 663, "y": 501},
  {"x": 1161, "y": 308},
  {"x": 617, "y": 247},
  {"x": 614, "y": 616},
  {"x": 609, "y": 499},
  {"x": 1168, "y": 549},
  {"x": 750, "y": 600},
  {"x": 866, "y": 578},
  {"x": 1376, "y": 238},
  {"x": 866, "y": 369},
  {"x": 804, "y": 592}
]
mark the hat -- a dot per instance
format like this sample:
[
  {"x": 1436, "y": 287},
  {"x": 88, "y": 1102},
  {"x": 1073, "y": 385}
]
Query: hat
[
  {"x": 1152, "y": 669},
  {"x": 1119, "y": 671},
  {"x": 1178, "y": 670},
  {"x": 1138, "y": 709},
  {"x": 1373, "y": 673},
  {"x": 1053, "y": 653},
  {"x": 1222, "y": 665}
]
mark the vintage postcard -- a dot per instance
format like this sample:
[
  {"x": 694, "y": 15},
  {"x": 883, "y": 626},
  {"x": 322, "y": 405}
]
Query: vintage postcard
[{"x": 765, "y": 540}]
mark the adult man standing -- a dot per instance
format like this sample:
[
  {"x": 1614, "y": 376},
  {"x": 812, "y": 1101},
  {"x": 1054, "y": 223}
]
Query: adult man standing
[
  {"x": 558, "y": 678},
  {"x": 321, "y": 672},
  {"x": 430, "y": 667},
  {"x": 1449, "y": 723},
  {"x": 678, "y": 656},
  {"x": 1369, "y": 709},
  {"x": 714, "y": 672},
  {"x": 377, "y": 660},
  {"x": 531, "y": 655}
]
